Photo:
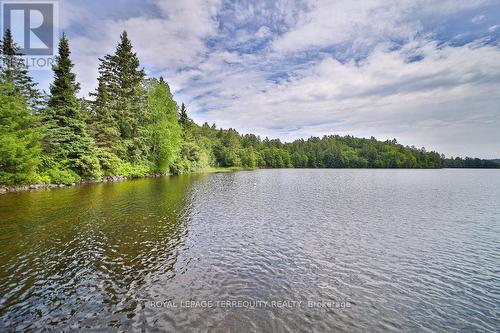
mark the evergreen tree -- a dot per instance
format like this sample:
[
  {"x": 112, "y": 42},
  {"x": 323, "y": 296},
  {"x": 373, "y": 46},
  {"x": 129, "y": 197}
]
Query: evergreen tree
[
  {"x": 120, "y": 103},
  {"x": 20, "y": 134},
  {"x": 68, "y": 141},
  {"x": 104, "y": 126},
  {"x": 183, "y": 117},
  {"x": 14, "y": 71}
]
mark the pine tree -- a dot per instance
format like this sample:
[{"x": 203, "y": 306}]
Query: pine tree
[
  {"x": 104, "y": 127},
  {"x": 105, "y": 131},
  {"x": 68, "y": 141},
  {"x": 120, "y": 103},
  {"x": 125, "y": 87},
  {"x": 20, "y": 135},
  {"x": 183, "y": 117},
  {"x": 14, "y": 71}
]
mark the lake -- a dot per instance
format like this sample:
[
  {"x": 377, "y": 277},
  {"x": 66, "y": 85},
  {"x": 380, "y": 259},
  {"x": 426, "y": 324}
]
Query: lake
[{"x": 290, "y": 250}]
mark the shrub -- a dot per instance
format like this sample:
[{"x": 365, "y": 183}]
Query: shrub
[
  {"x": 132, "y": 170},
  {"x": 62, "y": 176}
]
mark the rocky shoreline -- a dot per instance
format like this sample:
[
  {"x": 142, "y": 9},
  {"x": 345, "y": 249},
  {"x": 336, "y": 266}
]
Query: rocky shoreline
[{"x": 107, "y": 179}]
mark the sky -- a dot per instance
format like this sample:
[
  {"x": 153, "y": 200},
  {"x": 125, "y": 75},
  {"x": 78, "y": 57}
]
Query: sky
[{"x": 425, "y": 72}]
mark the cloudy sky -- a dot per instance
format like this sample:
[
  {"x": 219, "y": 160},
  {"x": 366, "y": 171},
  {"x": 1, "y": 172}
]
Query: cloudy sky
[{"x": 425, "y": 72}]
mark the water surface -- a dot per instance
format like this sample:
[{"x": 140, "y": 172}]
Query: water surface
[{"x": 256, "y": 251}]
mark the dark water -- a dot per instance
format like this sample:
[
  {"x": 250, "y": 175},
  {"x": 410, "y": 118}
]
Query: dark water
[{"x": 257, "y": 251}]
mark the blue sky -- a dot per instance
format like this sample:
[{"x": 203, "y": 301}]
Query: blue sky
[{"x": 425, "y": 72}]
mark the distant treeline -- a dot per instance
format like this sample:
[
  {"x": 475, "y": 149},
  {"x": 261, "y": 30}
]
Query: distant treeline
[
  {"x": 133, "y": 127},
  {"x": 473, "y": 163},
  {"x": 227, "y": 148}
]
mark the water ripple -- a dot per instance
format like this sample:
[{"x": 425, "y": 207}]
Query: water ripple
[{"x": 323, "y": 250}]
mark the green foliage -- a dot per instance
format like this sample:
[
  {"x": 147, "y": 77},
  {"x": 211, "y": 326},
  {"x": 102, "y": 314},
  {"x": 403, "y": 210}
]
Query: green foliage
[
  {"x": 67, "y": 136},
  {"x": 13, "y": 70},
  {"x": 192, "y": 158},
  {"x": 164, "y": 131},
  {"x": 134, "y": 119},
  {"x": 56, "y": 171},
  {"x": 110, "y": 163},
  {"x": 62, "y": 176},
  {"x": 299, "y": 159},
  {"x": 120, "y": 105},
  {"x": 183, "y": 117},
  {"x": 226, "y": 156},
  {"x": 104, "y": 124},
  {"x": 114, "y": 166},
  {"x": 64, "y": 88},
  {"x": 230, "y": 149},
  {"x": 472, "y": 163},
  {"x": 249, "y": 157},
  {"x": 275, "y": 158},
  {"x": 132, "y": 170},
  {"x": 20, "y": 135}
]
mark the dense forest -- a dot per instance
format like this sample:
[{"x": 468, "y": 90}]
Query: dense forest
[{"x": 131, "y": 126}]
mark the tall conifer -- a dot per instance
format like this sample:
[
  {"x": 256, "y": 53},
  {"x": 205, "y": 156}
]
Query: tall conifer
[
  {"x": 14, "y": 71},
  {"x": 68, "y": 141},
  {"x": 183, "y": 117},
  {"x": 120, "y": 102}
]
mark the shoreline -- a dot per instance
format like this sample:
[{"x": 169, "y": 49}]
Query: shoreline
[
  {"x": 4, "y": 189},
  {"x": 108, "y": 179}
]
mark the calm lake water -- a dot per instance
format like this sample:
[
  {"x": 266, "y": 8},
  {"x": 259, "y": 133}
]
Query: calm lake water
[{"x": 256, "y": 251}]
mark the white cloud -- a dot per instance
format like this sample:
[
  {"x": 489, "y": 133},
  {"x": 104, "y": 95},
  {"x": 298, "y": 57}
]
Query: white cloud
[
  {"x": 477, "y": 19},
  {"x": 173, "y": 39},
  {"x": 363, "y": 23}
]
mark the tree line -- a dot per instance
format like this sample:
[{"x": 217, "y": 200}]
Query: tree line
[{"x": 131, "y": 126}]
